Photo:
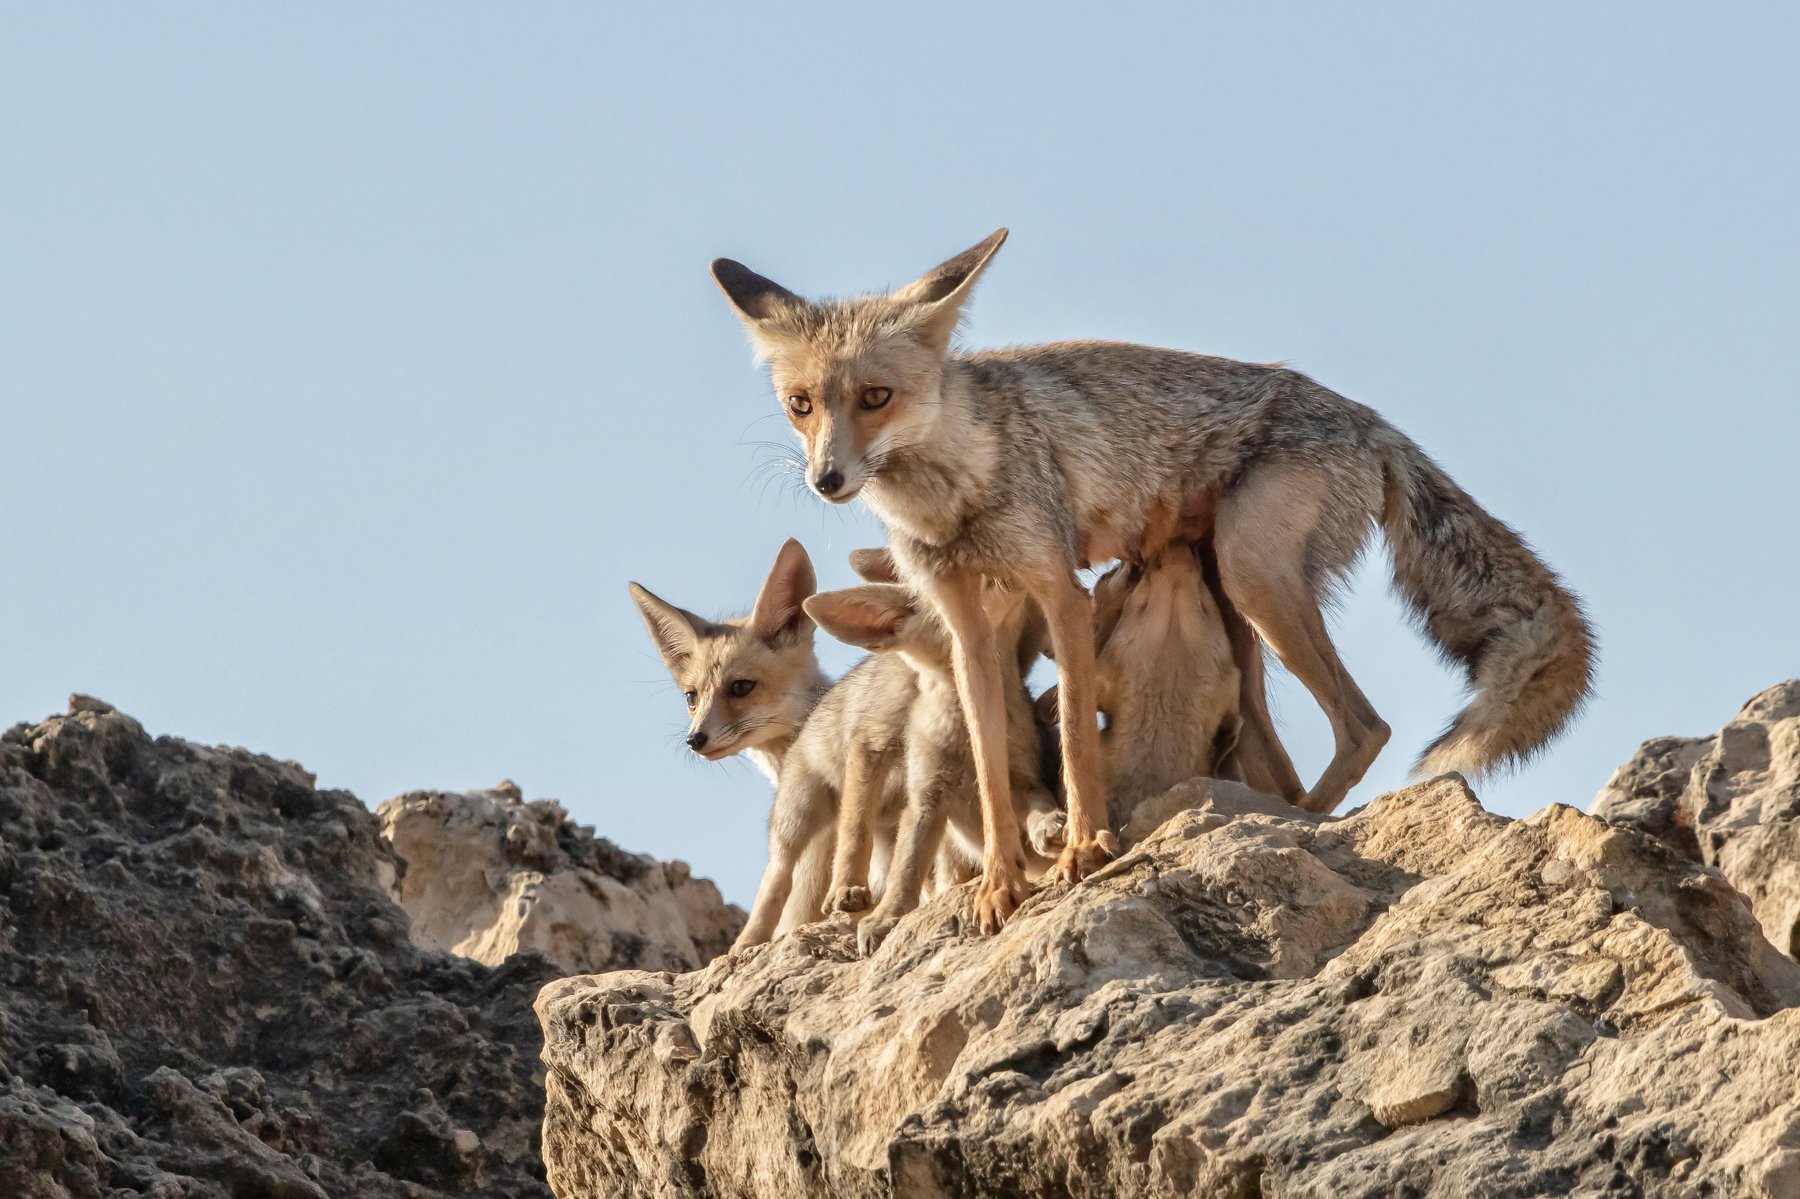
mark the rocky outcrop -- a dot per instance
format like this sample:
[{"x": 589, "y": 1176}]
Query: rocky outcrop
[
  {"x": 1730, "y": 801},
  {"x": 488, "y": 875},
  {"x": 207, "y": 991},
  {"x": 1420, "y": 998}
]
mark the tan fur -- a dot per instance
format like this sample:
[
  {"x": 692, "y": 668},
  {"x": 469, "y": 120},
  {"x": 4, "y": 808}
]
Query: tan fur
[
  {"x": 861, "y": 720},
  {"x": 941, "y": 794},
  {"x": 1019, "y": 466},
  {"x": 1168, "y": 645}
]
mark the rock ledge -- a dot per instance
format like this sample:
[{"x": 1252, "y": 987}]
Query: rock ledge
[{"x": 1417, "y": 998}]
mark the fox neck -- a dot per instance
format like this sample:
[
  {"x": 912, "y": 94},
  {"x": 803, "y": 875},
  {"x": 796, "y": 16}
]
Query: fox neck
[
  {"x": 932, "y": 667},
  {"x": 769, "y": 756},
  {"x": 944, "y": 469}
]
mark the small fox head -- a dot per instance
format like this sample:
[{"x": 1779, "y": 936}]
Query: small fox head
[
  {"x": 748, "y": 682},
  {"x": 857, "y": 378},
  {"x": 1154, "y": 601},
  {"x": 884, "y": 618}
]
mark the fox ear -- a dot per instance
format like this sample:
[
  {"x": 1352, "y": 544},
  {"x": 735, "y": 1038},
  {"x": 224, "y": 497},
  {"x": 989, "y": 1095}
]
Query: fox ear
[
  {"x": 875, "y": 566},
  {"x": 869, "y": 616},
  {"x": 940, "y": 293},
  {"x": 1110, "y": 591},
  {"x": 755, "y": 298},
  {"x": 779, "y": 613},
  {"x": 676, "y": 631}
]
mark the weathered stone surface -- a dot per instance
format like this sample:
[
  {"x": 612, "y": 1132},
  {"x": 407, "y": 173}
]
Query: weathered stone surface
[
  {"x": 488, "y": 875},
  {"x": 205, "y": 990},
  {"x": 1731, "y": 801},
  {"x": 1417, "y": 999}
]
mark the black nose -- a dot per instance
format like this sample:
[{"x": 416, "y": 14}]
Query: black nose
[
  {"x": 830, "y": 483},
  {"x": 696, "y": 740}
]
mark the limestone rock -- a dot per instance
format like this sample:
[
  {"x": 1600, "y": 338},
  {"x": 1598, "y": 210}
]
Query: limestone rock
[
  {"x": 488, "y": 875},
  {"x": 1420, "y": 998},
  {"x": 1731, "y": 801},
  {"x": 205, "y": 990}
]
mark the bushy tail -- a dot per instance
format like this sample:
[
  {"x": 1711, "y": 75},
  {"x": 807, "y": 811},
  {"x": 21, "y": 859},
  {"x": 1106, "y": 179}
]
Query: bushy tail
[{"x": 1492, "y": 605}]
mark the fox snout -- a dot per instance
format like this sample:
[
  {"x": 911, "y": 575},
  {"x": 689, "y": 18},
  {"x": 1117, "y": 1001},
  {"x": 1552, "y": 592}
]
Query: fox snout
[
  {"x": 708, "y": 748},
  {"x": 710, "y": 735},
  {"x": 828, "y": 483},
  {"x": 836, "y": 484}
]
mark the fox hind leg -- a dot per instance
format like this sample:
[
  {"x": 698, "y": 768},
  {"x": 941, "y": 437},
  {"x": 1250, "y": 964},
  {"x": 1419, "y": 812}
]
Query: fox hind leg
[
  {"x": 1266, "y": 533},
  {"x": 1259, "y": 751}
]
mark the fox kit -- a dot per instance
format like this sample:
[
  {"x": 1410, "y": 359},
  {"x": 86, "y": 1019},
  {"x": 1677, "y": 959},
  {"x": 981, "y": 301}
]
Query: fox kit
[
  {"x": 1021, "y": 466},
  {"x": 1173, "y": 698},
  {"x": 1166, "y": 679},
  {"x": 888, "y": 619},
  {"x": 751, "y": 685}
]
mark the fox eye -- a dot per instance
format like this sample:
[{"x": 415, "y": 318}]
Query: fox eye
[
  {"x": 742, "y": 687},
  {"x": 876, "y": 397},
  {"x": 692, "y": 697},
  {"x": 799, "y": 405}
]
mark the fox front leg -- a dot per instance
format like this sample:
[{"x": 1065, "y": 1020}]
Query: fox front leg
[
  {"x": 981, "y": 690},
  {"x": 1088, "y": 844},
  {"x": 921, "y": 834},
  {"x": 771, "y": 896},
  {"x": 799, "y": 818},
  {"x": 863, "y": 779},
  {"x": 1045, "y": 823}
]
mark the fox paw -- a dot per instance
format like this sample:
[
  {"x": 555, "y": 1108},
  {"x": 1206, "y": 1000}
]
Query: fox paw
[
  {"x": 1082, "y": 858},
  {"x": 873, "y": 930},
  {"x": 997, "y": 896},
  {"x": 850, "y": 900},
  {"x": 1045, "y": 831}
]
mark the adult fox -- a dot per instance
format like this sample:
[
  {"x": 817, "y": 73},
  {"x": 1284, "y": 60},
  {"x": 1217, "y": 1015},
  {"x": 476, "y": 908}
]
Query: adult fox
[{"x": 1023, "y": 465}]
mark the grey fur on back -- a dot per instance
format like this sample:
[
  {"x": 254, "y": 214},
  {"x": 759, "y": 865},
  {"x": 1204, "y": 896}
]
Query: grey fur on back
[{"x": 1085, "y": 430}]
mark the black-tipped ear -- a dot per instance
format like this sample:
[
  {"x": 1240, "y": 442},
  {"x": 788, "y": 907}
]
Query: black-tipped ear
[
  {"x": 875, "y": 565},
  {"x": 868, "y": 617},
  {"x": 954, "y": 277},
  {"x": 675, "y": 631},
  {"x": 755, "y": 298},
  {"x": 779, "y": 612}
]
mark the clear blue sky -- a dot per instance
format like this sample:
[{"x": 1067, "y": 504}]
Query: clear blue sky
[{"x": 353, "y": 357}]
